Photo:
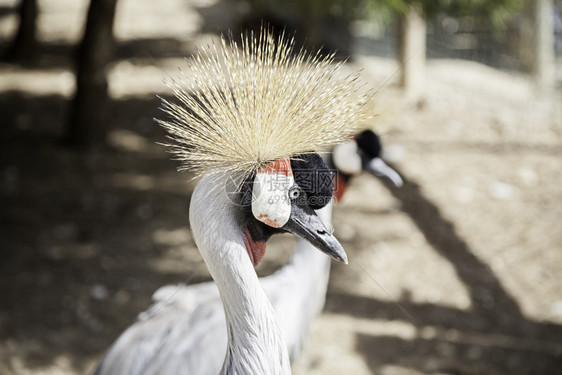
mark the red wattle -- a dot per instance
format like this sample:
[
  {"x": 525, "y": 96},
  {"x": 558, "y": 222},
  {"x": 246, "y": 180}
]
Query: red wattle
[{"x": 256, "y": 249}]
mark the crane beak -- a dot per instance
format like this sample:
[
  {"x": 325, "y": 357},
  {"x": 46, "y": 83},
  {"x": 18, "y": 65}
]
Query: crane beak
[
  {"x": 379, "y": 168},
  {"x": 305, "y": 223}
]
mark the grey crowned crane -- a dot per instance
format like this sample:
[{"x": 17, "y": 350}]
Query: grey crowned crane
[
  {"x": 177, "y": 330},
  {"x": 251, "y": 115}
]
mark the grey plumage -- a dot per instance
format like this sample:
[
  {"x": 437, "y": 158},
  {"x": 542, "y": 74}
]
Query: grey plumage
[
  {"x": 185, "y": 328},
  {"x": 184, "y": 331}
]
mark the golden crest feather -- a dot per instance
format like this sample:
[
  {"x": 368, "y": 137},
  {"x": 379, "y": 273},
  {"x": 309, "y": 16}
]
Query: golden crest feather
[{"x": 239, "y": 108}]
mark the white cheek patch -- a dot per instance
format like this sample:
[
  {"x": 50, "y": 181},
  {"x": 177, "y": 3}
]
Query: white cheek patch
[
  {"x": 271, "y": 204},
  {"x": 346, "y": 158}
]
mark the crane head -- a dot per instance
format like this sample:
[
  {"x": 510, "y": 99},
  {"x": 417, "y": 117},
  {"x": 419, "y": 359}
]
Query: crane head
[
  {"x": 242, "y": 108},
  {"x": 363, "y": 153},
  {"x": 285, "y": 194}
]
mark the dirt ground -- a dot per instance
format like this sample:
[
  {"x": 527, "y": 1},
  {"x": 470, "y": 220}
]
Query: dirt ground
[{"x": 458, "y": 272}]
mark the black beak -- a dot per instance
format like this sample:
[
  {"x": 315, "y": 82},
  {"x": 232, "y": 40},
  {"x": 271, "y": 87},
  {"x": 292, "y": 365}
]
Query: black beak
[
  {"x": 379, "y": 168},
  {"x": 306, "y": 224}
]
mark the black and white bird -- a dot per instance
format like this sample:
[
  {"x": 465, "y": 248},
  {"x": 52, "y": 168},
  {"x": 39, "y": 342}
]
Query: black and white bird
[{"x": 253, "y": 118}]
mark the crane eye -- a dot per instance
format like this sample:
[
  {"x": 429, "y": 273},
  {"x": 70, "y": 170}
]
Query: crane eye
[{"x": 294, "y": 192}]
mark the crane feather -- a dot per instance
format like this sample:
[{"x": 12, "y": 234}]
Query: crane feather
[{"x": 239, "y": 108}]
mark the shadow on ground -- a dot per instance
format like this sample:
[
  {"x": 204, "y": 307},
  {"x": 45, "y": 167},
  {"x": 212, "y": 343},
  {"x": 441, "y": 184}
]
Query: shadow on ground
[
  {"x": 81, "y": 249},
  {"x": 492, "y": 337}
]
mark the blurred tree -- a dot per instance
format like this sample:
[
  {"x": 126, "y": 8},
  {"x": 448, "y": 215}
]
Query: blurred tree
[
  {"x": 89, "y": 120},
  {"x": 544, "y": 61},
  {"x": 316, "y": 23},
  {"x": 24, "y": 46},
  {"x": 412, "y": 31}
]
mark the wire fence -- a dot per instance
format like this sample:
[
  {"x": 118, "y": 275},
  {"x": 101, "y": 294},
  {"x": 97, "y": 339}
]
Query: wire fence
[{"x": 470, "y": 37}]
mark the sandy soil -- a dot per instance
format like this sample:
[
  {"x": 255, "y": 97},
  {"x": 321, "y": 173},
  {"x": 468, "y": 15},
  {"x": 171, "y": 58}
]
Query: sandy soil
[{"x": 455, "y": 273}]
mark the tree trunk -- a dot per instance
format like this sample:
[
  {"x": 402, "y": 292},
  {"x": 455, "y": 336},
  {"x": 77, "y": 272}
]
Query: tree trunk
[
  {"x": 89, "y": 119},
  {"x": 24, "y": 46},
  {"x": 544, "y": 44},
  {"x": 412, "y": 52}
]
